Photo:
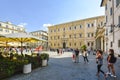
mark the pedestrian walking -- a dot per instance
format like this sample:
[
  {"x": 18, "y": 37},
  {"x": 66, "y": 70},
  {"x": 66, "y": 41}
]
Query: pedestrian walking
[
  {"x": 89, "y": 50},
  {"x": 111, "y": 59},
  {"x": 73, "y": 56},
  {"x": 85, "y": 56},
  {"x": 58, "y": 51},
  {"x": 77, "y": 55},
  {"x": 99, "y": 61}
]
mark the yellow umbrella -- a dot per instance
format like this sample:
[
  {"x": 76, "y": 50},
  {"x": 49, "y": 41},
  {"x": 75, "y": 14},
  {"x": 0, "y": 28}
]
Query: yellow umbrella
[
  {"x": 22, "y": 37},
  {"x": 4, "y": 44}
]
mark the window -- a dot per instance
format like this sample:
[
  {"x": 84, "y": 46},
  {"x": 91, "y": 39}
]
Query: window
[
  {"x": 74, "y": 35},
  {"x": 92, "y": 34},
  {"x": 74, "y": 44},
  {"x": 69, "y": 36},
  {"x": 101, "y": 23},
  {"x": 119, "y": 43},
  {"x": 92, "y": 25},
  {"x": 117, "y": 2},
  {"x": 6, "y": 26},
  {"x": 69, "y": 44},
  {"x": 12, "y": 31},
  {"x": 18, "y": 29},
  {"x": 54, "y": 30},
  {"x": 88, "y": 25},
  {"x": 80, "y": 26},
  {"x": 58, "y": 37},
  {"x": 63, "y": 29},
  {"x": 51, "y": 44},
  {"x": 54, "y": 44},
  {"x": 110, "y": 11},
  {"x": 6, "y": 30},
  {"x": 106, "y": 32},
  {"x": 111, "y": 44},
  {"x": 88, "y": 34},
  {"x": 106, "y": 19},
  {"x": 1, "y": 29},
  {"x": 58, "y": 29},
  {"x": 63, "y": 36},
  {"x": 111, "y": 29},
  {"x": 75, "y": 27},
  {"x": 58, "y": 44},
  {"x": 106, "y": 7},
  {"x": 54, "y": 37},
  {"x": 80, "y": 35},
  {"x": 92, "y": 43},
  {"x": 119, "y": 21},
  {"x": 69, "y": 28},
  {"x": 80, "y": 44},
  {"x": 88, "y": 43}
]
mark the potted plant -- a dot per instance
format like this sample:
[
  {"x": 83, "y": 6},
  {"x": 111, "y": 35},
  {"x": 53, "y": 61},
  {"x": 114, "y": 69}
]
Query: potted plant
[
  {"x": 44, "y": 57},
  {"x": 26, "y": 67},
  {"x": 83, "y": 47}
]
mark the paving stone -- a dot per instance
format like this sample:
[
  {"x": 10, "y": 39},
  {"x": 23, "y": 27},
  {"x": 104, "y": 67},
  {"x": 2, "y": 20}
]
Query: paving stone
[{"x": 61, "y": 67}]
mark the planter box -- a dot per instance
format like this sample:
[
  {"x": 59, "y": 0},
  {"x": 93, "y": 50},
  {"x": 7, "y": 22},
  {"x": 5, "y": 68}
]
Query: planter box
[
  {"x": 27, "y": 68},
  {"x": 44, "y": 63}
]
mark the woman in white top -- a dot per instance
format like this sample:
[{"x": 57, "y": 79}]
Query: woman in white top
[{"x": 85, "y": 56}]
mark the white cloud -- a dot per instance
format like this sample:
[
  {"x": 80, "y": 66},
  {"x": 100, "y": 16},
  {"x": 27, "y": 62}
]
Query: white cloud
[
  {"x": 22, "y": 24},
  {"x": 46, "y": 26}
]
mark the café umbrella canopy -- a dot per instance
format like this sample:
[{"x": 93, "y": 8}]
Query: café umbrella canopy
[
  {"x": 22, "y": 38},
  {"x": 4, "y": 40},
  {"x": 1, "y": 35}
]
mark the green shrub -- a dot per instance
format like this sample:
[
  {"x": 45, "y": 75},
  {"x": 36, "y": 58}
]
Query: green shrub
[
  {"x": 83, "y": 47},
  {"x": 36, "y": 60},
  {"x": 7, "y": 66},
  {"x": 44, "y": 56}
]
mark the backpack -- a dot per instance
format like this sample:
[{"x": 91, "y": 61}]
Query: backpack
[{"x": 114, "y": 59}]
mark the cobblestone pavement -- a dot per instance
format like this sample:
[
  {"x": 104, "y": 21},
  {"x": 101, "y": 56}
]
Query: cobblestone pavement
[{"x": 61, "y": 67}]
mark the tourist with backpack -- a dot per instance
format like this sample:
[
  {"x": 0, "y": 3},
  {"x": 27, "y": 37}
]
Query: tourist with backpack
[{"x": 111, "y": 61}]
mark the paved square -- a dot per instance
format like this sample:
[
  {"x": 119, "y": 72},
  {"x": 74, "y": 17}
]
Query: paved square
[{"x": 61, "y": 67}]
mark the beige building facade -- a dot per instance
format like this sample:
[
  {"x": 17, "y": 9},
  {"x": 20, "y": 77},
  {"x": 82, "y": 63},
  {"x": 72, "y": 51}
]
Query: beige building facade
[
  {"x": 74, "y": 34},
  {"x": 8, "y": 27},
  {"x": 112, "y": 14}
]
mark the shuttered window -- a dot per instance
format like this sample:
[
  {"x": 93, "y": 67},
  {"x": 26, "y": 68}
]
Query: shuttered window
[
  {"x": 119, "y": 43},
  {"x": 119, "y": 21}
]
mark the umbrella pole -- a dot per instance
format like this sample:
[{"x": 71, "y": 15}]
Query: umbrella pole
[{"x": 21, "y": 48}]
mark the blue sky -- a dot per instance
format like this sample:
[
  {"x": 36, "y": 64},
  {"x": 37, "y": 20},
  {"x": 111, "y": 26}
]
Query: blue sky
[{"x": 36, "y": 14}]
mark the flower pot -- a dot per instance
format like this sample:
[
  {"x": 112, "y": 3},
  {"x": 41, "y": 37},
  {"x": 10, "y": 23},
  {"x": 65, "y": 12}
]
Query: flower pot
[
  {"x": 27, "y": 68},
  {"x": 44, "y": 62}
]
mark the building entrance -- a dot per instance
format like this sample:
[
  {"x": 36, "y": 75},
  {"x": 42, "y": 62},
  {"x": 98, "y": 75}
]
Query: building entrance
[{"x": 64, "y": 45}]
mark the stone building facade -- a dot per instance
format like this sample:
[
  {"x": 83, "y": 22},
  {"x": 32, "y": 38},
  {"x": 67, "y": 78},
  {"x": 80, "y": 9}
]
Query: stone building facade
[{"x": 74, "y": 34}]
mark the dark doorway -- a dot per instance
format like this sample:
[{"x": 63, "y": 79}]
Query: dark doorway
[{"x": 64, "y": 45}]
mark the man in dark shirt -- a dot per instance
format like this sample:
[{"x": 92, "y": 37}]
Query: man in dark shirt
[{"x": 77, "y": 55}]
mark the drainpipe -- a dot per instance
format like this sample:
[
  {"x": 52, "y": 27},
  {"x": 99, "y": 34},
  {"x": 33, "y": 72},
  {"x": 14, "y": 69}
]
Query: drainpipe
[{"x": 113, "y": 20}]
